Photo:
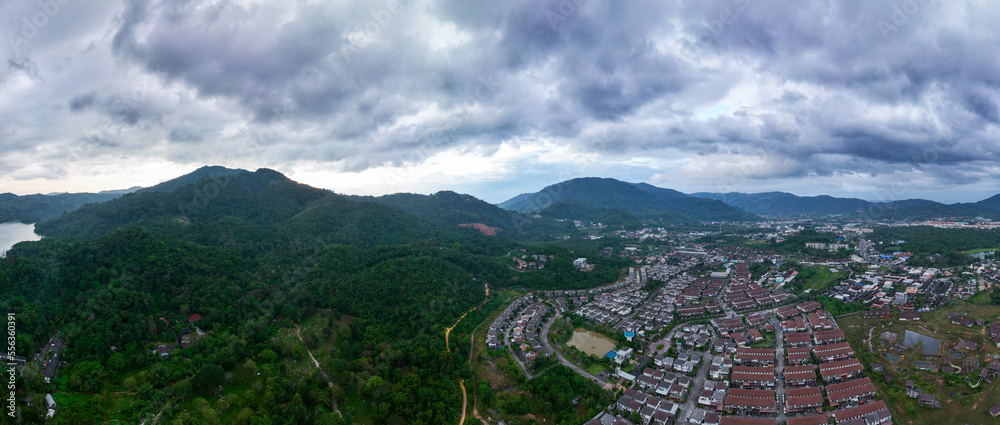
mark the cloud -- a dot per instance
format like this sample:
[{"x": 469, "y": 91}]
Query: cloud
[{"x": 687, "y": 94}]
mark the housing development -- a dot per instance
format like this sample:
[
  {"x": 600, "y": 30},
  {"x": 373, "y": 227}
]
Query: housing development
[{"x": 723, "y": 348}]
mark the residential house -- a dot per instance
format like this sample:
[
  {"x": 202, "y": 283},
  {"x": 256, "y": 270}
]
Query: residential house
[
  {"x": 829, "y": 337},
  {"x": 833, "y": 352},
  {"x": 841, "y": 370},
  {"x": 750, "y": 401},
  {"x": 800, "y": 375},
  {"x": 754, "y": 356},
  {"x": 853, "y": 391},
  {"x": 796, "y": 356},
  {"x": 803, "y": 399},
  {"x": 873, "y": 413},
  {"x": 753, "y": 377}
]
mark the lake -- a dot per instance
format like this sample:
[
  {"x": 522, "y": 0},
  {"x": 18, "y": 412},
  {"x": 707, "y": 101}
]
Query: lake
[
  {"x": 932, "y": 346},
  {"x": 12, "y": 233},
  {"x": 591, "y": 342}
]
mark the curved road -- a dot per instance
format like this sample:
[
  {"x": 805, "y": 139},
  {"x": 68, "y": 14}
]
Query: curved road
[
  {"x": 510, "y": 348},
  {"x": 562, "y": 360}
]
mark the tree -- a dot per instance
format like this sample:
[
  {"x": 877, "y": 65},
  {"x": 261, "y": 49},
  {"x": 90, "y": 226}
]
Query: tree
[
  {"x": 244, "y": 417},
  {"x": 268, "y": 356},
  {"x": 296, "y": 410},
  {"x": 86, "y": 376},
  {"x": 485, "y": 393},
  {"x": 246, "y": 372},
  {"x": 117, "y": 362},
  {"x": 373, "y": 384},
  {"x": 208, "y": 379}
]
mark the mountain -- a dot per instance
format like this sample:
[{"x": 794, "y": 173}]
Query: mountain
[
  {"x": 450, "y": 209},
  {"x": 575, "y": 210},
  {"x": 369, "y": 304},
  {"x": 34, "y": 208},
  {"x": 638, "y": 199},
  {"x": 253, "y": 211},
  {"x": 250, "y": 256},
  {"x": 196, "y": 175},
  {"x": 992, "y": 203},
  {"x": 787, "y": 204},
  {"x": 781, "y": 203}
]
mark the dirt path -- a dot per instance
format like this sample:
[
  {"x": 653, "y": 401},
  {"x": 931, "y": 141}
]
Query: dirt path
[
  {"x": 448, "y": 330},
  {"x": 465, "y": 402},
  {"x": 329, "y": 382},
  {"x": 472, "y": 349},
  {"x": 465, "y": 395}
]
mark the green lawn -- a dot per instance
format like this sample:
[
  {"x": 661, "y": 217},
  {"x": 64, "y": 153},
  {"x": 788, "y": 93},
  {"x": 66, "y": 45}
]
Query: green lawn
[{"x": 596, "y": 368}]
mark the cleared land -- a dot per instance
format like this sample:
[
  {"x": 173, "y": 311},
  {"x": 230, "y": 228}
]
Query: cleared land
[{"x": 960, "y": 403}]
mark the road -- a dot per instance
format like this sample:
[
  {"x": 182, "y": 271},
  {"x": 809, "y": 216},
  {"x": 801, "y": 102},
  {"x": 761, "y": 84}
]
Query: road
[
  {"x": 779, "y": 369},
  {"x": 562, "y": 360},
  {"x": 510, "y": 347},
  {"x": 695, "y": 390}
]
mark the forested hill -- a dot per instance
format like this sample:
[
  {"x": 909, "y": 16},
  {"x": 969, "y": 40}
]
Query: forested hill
[
  {"x": 252, "y": 212},
  {"x": 638, "y": 199},
  {"x": 575, "y": 210},
  {"x": 452, "y": 209},
  {"x": 33, "y": 208},
  {"x": 133, "y": 290},
  {"x": 194, "y": 176},
  {"x": 251, "y": 253}
]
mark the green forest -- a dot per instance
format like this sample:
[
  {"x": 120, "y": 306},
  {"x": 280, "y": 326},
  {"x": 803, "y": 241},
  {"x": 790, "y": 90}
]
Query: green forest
[
  {"x": 254, "y": 260},
  {"x": 924, "y": 241}
]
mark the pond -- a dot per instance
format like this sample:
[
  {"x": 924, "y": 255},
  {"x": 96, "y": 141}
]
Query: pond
[
  {"x": 892, "y": 357},
  {"x": 591, "y": 342},
  {"x": 932, "y": 346},
  {"x": 12, "y": 233}
]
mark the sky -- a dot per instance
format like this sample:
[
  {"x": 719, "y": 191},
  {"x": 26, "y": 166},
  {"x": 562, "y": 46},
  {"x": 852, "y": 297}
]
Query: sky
[{"x": 879, "y": 100}]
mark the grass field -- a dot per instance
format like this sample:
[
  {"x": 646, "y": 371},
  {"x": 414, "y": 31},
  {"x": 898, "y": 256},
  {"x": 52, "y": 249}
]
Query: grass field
[
  {"x": 960, "y": 403},
  {"x": 596, "y": 369},
  {"x": 977, "y": 251},
  {"x": 983, "y": 297},
  {"x": 816, "y": 279}
]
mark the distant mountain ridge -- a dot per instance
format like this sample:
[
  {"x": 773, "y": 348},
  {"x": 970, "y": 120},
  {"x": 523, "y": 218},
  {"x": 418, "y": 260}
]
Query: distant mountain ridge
[
  {"x": 451, "y": 209},
  {"x": 787, "y": 204},
  {"x": 34, "y": 208},
  {"x": 638, "y": 199}
]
